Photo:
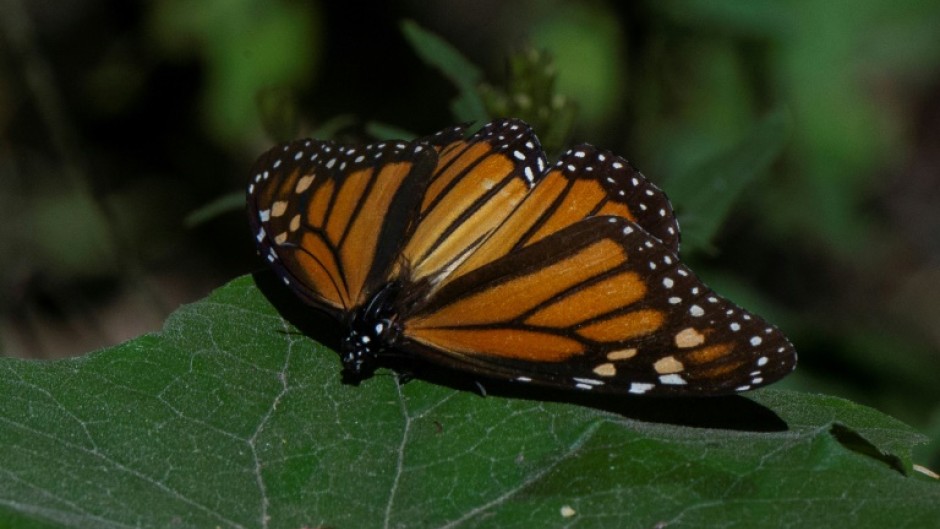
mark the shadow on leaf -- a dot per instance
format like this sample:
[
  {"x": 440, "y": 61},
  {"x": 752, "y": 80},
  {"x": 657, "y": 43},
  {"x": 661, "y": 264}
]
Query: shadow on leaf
[{"x": 854, "y": 441}]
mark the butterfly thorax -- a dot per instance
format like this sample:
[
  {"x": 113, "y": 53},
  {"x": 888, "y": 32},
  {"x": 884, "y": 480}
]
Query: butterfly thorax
[{"x": 372, "y": 330}]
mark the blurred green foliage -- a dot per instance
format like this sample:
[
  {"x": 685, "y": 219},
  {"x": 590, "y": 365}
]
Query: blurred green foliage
[
  {"x": 468, "y": 106},
  {"x": 530, "y": 94},
  {"x": 247, "y": 47},
  {"x": 587, "y": 44},
  {"x": 796, "y": 139},
  {"x": 705, "y": 194}
]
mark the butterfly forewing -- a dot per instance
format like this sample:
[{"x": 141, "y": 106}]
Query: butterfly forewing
[
  {"x": 477, "y": 183},
  {"x": 585, "y": 182},
  {"x": 330, "y": 219},
  {"x": 600, "y": 305}
]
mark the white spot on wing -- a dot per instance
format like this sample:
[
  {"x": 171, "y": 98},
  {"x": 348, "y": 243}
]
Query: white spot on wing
[
  {"x": 672, "y": 379},
  {"x": 590, "y": 381}
]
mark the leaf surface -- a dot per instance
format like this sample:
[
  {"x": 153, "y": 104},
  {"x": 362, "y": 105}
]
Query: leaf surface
[{"x": 232, "y": 418}]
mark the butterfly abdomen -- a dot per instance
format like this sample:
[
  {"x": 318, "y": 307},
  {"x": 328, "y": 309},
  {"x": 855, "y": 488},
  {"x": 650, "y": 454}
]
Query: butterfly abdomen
[{"x": 372, "y": 330}]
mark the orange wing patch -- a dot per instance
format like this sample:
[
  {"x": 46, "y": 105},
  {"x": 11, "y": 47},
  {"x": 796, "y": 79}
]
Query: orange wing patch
[
  {"x": 601, "y": 297},
  {"x": 318, "y": 268},
  {"x": 526, "y": 292},
  {"x": 476, "y": 185},
  {"x": 545, "y": 301},
  {"x": 319, "y": 211},
  {"x": 624, "y": 327},
  {"x": 520, "y": 344},
  {"x": 358, "y": 244},
  {"x": 584, "y": 183}
]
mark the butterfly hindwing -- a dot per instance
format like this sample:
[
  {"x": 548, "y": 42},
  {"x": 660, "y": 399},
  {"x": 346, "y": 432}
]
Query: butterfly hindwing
[
  {"x": 330, "y": 219},
  {"x": 600, "y": 305}
]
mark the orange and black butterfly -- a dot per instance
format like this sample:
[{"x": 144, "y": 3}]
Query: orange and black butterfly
[{"x": 474, "y": 254}]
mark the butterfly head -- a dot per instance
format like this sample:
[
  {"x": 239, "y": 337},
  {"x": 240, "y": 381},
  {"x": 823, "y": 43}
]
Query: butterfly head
[{"x": 372, "y": 330}]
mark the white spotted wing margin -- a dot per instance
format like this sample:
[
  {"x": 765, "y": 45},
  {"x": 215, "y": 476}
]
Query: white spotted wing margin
[
  {"x": 599, "y": 306},
  {"x": 330, "y": 219}
]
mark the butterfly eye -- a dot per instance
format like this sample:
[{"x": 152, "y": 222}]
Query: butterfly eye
[{"x": 476, "y": 254}]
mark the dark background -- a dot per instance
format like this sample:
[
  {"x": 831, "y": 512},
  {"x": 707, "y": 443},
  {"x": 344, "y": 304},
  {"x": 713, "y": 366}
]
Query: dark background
[{"x": 120, "y": 119}]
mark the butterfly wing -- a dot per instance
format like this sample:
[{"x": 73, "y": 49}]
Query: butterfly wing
[
  {"x": 330, "y": 219},
  {"x": 601, "y": 305},
  {"x": 477, "y": 183},
  {"x": 585, "y": 182}
]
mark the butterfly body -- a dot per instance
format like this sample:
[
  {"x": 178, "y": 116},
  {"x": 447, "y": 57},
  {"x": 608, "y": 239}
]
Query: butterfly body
[
  {"x": 371, "y": 332},
  {"x": 474, "y": 254}
]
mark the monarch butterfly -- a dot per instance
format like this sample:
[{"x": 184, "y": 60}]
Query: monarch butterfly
[{"x": 474, "y": 254}]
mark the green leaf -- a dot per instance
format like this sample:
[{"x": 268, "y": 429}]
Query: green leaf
[
  {"x": 230, "y": 417},
  {"x": 705, "y": 194},
  {"x": 436, "y": 52}
]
